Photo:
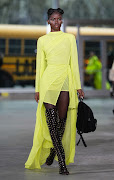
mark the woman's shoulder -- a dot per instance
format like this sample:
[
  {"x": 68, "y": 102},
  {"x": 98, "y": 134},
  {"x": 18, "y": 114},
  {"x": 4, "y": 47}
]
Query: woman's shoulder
[
  {"x": 42, "y": 38},
  {"x": 70, "y": 35}
]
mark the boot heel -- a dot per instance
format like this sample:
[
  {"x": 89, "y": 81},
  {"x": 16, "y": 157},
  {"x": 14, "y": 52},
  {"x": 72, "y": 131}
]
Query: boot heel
[{"x": 62, "y": 168}]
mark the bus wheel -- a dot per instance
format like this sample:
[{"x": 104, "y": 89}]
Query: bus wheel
[{"x": 6, "y": 79}]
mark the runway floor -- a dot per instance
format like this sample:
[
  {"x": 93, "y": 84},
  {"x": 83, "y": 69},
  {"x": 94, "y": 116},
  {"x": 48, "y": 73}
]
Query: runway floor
[{"x": 95, "y": 162}]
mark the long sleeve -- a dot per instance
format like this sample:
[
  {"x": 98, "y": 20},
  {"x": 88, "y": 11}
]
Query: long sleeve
[
  {"x": 40, "y": 64},
  {"x": 74, "y": 63}
]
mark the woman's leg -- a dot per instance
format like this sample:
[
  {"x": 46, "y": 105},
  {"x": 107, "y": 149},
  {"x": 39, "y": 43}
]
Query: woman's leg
[
  {"x": 52, "y": 154},
  {"x": 62, "y": 104},
  {"x": 53, "y": 122}
]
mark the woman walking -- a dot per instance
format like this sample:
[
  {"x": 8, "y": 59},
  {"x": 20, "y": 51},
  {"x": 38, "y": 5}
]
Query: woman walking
[{"x": 57, "y": 84}]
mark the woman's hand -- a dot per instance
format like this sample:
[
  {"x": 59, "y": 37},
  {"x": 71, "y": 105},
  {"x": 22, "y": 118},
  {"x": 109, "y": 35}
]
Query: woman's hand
[
  {"x": 37, "y": 96},
  {"x": 80, "y": 93}
]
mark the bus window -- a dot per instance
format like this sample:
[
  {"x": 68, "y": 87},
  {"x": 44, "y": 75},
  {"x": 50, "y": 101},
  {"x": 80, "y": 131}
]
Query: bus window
[
  {"x": 30, "y": 46},
  {"x": 2, "y": 45},
  {"x": 14, "y": 46}
]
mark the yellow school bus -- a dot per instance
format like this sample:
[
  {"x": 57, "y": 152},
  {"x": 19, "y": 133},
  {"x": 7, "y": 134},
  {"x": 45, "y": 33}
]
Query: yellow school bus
[
  {"x": 17, "y": 54},
  {"x": 17, "y": 51}
]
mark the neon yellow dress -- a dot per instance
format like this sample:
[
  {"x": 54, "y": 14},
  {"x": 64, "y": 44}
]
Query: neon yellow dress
[{"x": 56, "y": 70}]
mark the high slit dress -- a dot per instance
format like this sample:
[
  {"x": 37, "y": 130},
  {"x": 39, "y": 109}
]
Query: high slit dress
[{"x": 56, "y": 70}]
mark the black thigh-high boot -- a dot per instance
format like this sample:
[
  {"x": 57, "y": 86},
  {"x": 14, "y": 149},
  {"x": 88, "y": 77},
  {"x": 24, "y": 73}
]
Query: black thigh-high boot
[
  {"x": 61, "y": 128},
  {"x": 52, "y": 154},
  {"x": 52, "y": 122}
]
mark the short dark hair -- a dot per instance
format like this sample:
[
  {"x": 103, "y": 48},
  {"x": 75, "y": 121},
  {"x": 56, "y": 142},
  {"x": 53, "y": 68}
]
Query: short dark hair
[{"x": 51, "y": 11}]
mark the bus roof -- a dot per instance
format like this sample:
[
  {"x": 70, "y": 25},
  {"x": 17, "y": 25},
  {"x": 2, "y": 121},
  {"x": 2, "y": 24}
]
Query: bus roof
[{"x": 35, "y": 31}]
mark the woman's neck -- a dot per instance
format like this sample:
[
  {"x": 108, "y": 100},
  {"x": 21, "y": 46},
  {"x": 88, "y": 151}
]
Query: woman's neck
[{"x": 52, "y": 30}]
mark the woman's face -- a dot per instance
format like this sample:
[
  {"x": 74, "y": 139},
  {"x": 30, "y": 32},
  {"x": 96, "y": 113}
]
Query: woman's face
[{"x": 55, "y": 21}]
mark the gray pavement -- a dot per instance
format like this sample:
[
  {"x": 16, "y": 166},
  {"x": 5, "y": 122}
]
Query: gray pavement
[{"x": 17, "y": 121}]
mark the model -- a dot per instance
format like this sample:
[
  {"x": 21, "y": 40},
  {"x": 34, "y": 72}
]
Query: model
[{"x": 56, "y": 86}]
